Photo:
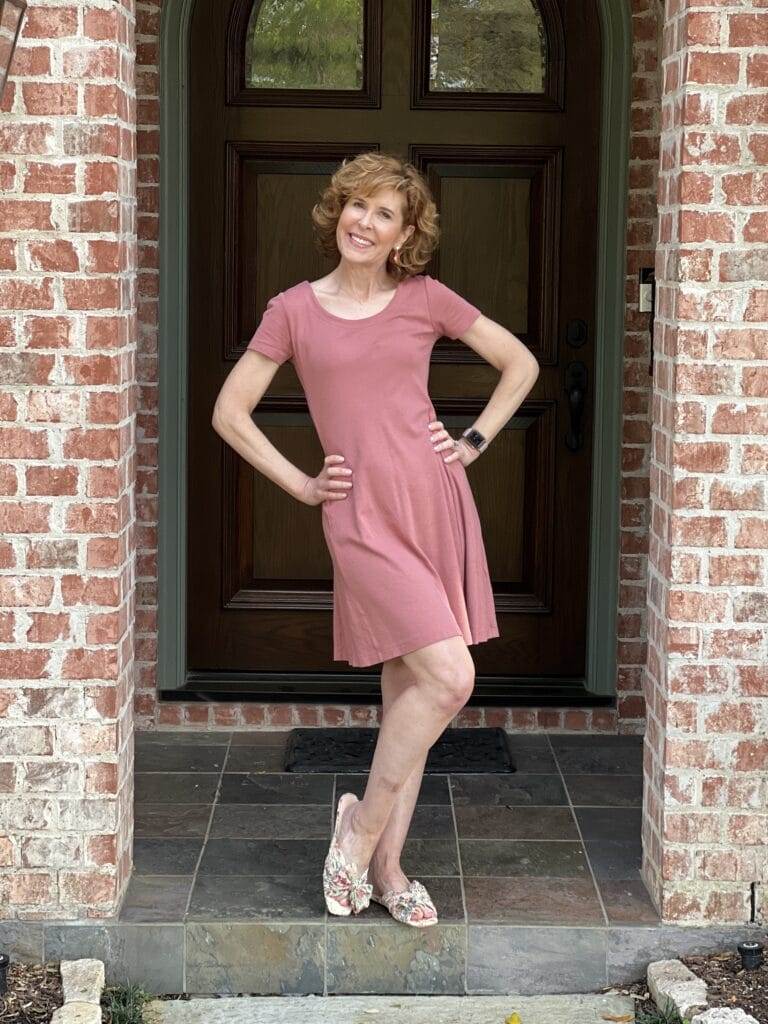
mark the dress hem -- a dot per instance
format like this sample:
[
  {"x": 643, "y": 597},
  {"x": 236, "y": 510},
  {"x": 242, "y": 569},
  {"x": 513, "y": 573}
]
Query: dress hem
[{"x": 414, "y": 644}]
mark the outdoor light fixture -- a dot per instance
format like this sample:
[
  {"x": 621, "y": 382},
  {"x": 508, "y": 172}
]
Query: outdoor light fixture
[
  {"x": 751, "y": 955},
  {"x": 4, "y": 961},
  {"x": 11, "y": 17}
]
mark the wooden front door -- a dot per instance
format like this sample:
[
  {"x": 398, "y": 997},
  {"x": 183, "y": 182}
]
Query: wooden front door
[{"x": 498, "y": 104}]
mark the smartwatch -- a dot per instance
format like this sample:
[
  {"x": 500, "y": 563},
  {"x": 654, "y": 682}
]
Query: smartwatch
[{"x": 475, "y": 438}]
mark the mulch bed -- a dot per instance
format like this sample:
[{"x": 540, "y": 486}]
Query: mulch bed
[
  {"x": 34, "y": 992},
  {"x": 728, "y": 984}
]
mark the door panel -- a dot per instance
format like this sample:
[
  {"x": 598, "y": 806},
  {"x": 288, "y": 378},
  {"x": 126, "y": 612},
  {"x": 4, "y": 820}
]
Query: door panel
[{"x": 515, "y": 177}]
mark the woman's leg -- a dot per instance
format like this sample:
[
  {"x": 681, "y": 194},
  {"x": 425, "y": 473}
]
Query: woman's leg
[
  {"x": 385, "y": 872},
  {"x": 444, "y": 677}
]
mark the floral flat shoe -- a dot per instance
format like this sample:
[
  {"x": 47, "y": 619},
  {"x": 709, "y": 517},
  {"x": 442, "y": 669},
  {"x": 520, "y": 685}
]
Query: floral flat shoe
[
  {"x": 340, "y": 878},
  {"x": 402, "y": 905}
]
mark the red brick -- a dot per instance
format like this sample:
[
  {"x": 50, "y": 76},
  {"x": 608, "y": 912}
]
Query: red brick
[
  {"x": 698, "y": 531},
  {"x": 743, "y": 265},
  {"x": 48, "y": 332},
  {"x": 752, "y": 680},
  {"x": 748, "y": 829},
  {"x": 730, "y": 418},
  {"x": 734, "y": 643},
  {"x": 42, "y": 178},
  {"x": 692, "y": 828},
  {"x": 700, "y": 226},
  {"x": 100, "y": 517},
  {"x": 748, "y": 188},
  {"x": 710, "y": 148},
  {"x": 18, "y": 663},
  {"x": 693, "y": 606},
  {"x": 83, "y": 664},
  {"x": 753, "y": 533},
  {"x": 754, "y": 458},
  {"x": 91, "y": 293},
  {"x": 712, "y": 68},
  {"x": 751, "y": 607},
  {"x": 21, "y": 591},
  {"x": 739, "y": 496},
  {"x": 44, "y": 480},
  {"x": 748, "y": 29},
  {"x": 729, "y": 717},
  {"x": 24, "y": 517},
  {"x": 47, "y": 627},
  {"x": 736, "y": 570},
  {"x": 701, "y": 456},
  {"x": 49, "y": 98},
  {"x": 751, "y": 755},
  {"x": 741, "y": 343},
  {"x": 54, "y": 255}
]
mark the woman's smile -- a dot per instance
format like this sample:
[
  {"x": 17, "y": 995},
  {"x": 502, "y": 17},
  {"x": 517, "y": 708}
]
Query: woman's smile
[{"x": 359, "y": 241}]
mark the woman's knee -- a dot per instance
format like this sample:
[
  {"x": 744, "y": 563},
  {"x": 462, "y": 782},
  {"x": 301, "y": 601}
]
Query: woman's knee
[
  {"x": 452, "y": 684},
  {"x": 454, "y": 690},
  {"x": 446, "y": 671}
]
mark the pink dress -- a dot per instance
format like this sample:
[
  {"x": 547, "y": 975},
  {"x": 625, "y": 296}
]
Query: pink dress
[{"x": 407, "y": 549}]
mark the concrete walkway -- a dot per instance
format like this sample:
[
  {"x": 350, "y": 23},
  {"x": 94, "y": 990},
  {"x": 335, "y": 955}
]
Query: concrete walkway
[{"x": 575, "y": 1009}]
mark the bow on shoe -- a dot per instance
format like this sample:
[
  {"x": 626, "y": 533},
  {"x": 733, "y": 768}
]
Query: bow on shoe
[
  {"x": 359, "y": 894},
  {"x": 341, "y": 883}
]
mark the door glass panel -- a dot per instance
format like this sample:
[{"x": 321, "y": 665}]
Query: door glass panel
[
  {"x": 487, "y": 46},
  {"x": 303, "y": 44}
]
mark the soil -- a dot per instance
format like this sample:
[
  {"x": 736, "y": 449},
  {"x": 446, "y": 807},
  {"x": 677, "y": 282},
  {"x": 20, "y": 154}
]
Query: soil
[
  {"x": 728, "y": 984},
  {"x": 34, "y": 992}
]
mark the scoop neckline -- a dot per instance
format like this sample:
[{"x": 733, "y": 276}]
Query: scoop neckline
[{"x": 357, "y": 319}]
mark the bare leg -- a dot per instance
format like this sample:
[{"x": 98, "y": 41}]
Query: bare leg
[
  {"x": 444, "y": 676},
  {"x": 385, "y": 872}
]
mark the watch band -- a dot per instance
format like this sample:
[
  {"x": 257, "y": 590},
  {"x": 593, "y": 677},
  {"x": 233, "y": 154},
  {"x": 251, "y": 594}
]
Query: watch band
[{"x": 475, "y": 438}]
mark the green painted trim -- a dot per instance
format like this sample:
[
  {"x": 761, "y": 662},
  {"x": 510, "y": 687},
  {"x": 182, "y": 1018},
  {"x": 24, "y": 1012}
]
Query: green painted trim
[
  {"x": 609, "y": 332},
  {"x": 173, "y": 369},
  {"x": 609, "y": 347}
]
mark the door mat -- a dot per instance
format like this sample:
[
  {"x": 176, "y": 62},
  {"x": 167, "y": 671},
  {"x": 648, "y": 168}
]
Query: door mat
[{"x": 464, "y": 751}]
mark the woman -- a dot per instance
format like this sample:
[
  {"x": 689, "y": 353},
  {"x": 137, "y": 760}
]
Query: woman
[{"x": 411, "y": 582}]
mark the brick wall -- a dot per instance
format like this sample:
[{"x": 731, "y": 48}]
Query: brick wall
[
  {"x": 630, "y": 713},
  {"x": 706, "y": 808},
  {"x": 67, "y": 461}
]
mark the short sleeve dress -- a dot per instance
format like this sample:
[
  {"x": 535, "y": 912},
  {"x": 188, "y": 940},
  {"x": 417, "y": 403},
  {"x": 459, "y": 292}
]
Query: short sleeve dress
[{"x": 409, "y": 561}]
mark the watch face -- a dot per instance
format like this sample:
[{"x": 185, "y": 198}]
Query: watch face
[{"x": 474, "y": 437}]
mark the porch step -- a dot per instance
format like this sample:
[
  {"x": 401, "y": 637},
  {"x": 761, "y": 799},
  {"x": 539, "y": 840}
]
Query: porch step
[{"x": 579, "y": 1009}]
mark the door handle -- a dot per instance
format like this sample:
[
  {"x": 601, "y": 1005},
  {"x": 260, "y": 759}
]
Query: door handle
[{"x": 576, "y": 389}]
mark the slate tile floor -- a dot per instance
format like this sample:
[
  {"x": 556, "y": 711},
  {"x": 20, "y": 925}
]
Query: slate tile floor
[{"x": 222, "y": 834}]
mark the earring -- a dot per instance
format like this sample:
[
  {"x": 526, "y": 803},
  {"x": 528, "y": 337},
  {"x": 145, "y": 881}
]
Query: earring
[{"x": 396, "y": 257}]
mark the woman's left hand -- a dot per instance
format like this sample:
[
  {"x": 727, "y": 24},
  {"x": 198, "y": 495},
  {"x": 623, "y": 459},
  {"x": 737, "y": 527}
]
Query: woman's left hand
[{"x": 451, "y": 450}]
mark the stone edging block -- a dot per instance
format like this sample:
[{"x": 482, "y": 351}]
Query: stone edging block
[
  {"x": 673, "y": 985},
  {"x": 724, "y": 1015},
  {"x": 83, "y": 982}
]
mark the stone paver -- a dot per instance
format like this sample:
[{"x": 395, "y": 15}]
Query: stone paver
[{"x": 577, "y": 1009}]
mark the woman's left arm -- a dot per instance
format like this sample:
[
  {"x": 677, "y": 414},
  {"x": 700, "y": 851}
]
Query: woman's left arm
[{"x": 519, "y": 371}]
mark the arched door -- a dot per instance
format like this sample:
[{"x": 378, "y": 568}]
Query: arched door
[{"x": 498, "y": 102}]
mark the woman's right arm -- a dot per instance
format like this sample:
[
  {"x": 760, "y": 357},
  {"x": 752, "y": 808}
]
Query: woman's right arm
[{"x": 232, "y": 420}]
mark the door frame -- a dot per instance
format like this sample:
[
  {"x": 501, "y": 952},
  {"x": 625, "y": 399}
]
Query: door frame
[{"x": 615, "y": 22}]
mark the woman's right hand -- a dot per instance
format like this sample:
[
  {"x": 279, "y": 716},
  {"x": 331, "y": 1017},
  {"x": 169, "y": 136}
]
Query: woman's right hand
[{"x": 328, "y": 485}]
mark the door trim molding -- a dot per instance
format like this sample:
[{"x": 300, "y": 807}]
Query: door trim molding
[{"x": 175, "y": 20}]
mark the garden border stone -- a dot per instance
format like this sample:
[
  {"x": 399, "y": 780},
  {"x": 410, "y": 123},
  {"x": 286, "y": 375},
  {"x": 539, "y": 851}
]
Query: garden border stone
[{"x": 83, "y": 983}]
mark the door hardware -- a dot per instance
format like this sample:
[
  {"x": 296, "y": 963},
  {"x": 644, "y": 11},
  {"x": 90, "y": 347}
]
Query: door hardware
[
  {"x": 576, "y": 332},
  {"x": 576, "y": 389}
]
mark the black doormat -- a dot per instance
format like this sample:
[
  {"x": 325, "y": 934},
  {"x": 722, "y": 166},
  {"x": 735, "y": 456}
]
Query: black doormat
[{"x": 351, "y": 750}]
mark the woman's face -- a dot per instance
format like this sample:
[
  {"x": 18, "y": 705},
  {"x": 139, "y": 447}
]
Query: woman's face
[{"x": 370, "y": 227}]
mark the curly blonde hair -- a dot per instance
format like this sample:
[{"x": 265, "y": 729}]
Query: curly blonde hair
[{"x": 364, "y": 175}]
